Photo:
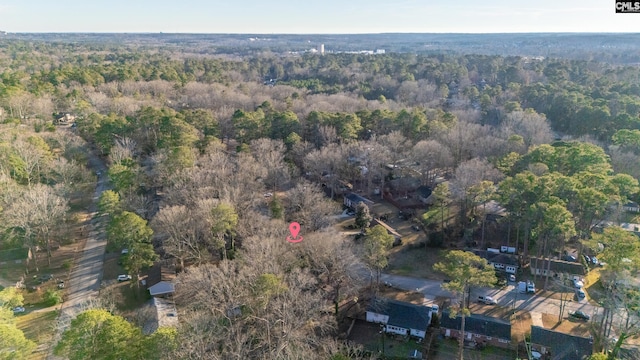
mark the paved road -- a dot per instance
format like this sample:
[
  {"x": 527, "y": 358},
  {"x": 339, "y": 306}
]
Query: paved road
[{"x": 84, "y": 280}]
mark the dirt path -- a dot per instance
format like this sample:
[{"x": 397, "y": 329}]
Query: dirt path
[{"x": 84, "y": 280}]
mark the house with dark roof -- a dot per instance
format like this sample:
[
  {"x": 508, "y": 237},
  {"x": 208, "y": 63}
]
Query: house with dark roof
[
  {"x": 424, "y": 194},
  {"x": 477, "y": 328},
  {"x": 631, "y": 207},
  {"x": 500, "y": 261},
  {"x": 160, "y": 280},
  {"x": 556, "y": 268},
  {"x": 399, "y": 317},
  {"x": 351, "y": 200},
  {"x": 560, "y": 346}
]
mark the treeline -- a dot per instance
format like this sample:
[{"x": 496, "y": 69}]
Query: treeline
[{"x": 578, "y": 97}]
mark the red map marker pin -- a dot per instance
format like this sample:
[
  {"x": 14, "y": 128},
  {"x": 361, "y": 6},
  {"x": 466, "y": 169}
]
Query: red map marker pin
[{"x": 294, "y": 228}]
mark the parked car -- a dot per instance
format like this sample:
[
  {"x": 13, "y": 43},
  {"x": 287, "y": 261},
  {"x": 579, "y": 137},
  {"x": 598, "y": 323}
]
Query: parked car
[
  {"x": 569, "y": 258},
  {"x": 577, "y": 283},
  {"x": 580, "y": 315},
  {"x": 487, "y": 300},
  {"x": 581, "y": 294},
  {"x": 45, "y": 277},
  {"x": 594, "y": 260},
  {"x": 18, "y": 310},
  {"x": 124, "y": 251},
  {"x": 587, "y": 259},
  {"x": 124, "y": 277},
  {"x": 60, "y": 284},
  {"x": 512, "y": 278},
  {"x": 531, "y": 287}
]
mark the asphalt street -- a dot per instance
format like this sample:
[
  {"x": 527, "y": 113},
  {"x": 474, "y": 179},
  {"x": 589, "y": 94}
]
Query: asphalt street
[{"x": 84, "y": 281}]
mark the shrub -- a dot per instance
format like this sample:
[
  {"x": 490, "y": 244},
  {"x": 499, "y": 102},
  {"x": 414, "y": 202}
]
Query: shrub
[
  {"x": 66, "y": 265},
  {"x": 52, "y": 297}
]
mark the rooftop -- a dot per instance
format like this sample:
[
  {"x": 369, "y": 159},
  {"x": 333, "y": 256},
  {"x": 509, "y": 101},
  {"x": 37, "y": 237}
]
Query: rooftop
[
  {"x": 563, "y": 346},
  {"x": 402, "y": 314},
  {"x": 558, "y": 266},
  {"x": 478, "y": 324}
]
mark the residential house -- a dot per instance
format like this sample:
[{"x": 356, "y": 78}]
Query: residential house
[
  {"x": 631, "y": 207},
  {"x": 160, "y": 280},
  {"x": 352, "y": 200},
  {"x": 399, "y": 317},
  {"x": 500, "y": 261},
  {"x": 425, "y": 194},
  {"x": 556, "y": 268},
  {"x": 557, "y": 345},
  {"x": 479, "y": 329},
  {"x": 64, "y": 118}
]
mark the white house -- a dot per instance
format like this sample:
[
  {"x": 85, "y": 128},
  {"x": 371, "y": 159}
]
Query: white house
[{"x": 400, "y": 318}]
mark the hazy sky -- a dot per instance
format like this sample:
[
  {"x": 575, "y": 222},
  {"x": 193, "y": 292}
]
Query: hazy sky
[{"x": 305, "y": 16}]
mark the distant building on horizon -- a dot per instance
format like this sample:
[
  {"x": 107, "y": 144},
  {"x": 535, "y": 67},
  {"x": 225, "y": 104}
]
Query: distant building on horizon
[{"x": 321, "y": 49}]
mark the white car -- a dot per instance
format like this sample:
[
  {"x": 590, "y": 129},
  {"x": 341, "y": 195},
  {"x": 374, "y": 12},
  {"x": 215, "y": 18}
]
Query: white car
[
  {"x": 577, "y": 283},
  {"x": 124, "y": 251},
  {"x": 18, "y": 310},
  {"x": 487, "y": 300},
  {"x": 124, "y": 277}
]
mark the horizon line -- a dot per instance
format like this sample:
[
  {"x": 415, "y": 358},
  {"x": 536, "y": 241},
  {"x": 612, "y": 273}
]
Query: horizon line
[{"x": 317, "y": 34}]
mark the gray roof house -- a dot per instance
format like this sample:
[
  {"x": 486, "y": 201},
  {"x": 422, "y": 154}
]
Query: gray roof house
[
  {"x": 500, "y": 261},
  {"x": 399, "y": 317},
  {"x": 559, "y": 345},
  {"x": 478, "y": 328},
  {"x": 351, "y": 200}
]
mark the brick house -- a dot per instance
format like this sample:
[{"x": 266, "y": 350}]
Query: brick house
[
  {"x": 479, "y": 329},
  {"x": 556, "y": 268}
]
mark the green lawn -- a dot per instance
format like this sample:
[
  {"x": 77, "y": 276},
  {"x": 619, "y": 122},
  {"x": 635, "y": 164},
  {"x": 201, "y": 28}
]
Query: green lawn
[
  {"x": 39, "y": 328},
  {"x": 392, "y": 348}
]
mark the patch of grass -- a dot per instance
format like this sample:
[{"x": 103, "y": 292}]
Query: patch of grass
[
  {"x": 38, "y": 327},
  {"x": 132, "y": 297},
  {"x": 416, "y": 262},
  {"x": 405, "y": 269}
]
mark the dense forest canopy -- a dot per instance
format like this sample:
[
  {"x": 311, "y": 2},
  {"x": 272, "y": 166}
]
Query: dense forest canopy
[{"x": 211, "y": 152}]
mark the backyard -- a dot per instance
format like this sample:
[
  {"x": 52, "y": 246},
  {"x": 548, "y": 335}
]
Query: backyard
[{"x": 370, "y": 336}]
